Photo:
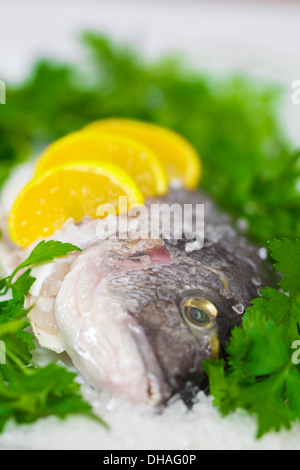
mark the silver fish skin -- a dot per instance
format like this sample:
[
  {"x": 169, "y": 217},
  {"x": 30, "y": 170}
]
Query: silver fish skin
[{"x": 138, "y": 317}]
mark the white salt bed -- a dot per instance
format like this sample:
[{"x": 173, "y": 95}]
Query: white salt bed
[{"x": 135, "y": 427}]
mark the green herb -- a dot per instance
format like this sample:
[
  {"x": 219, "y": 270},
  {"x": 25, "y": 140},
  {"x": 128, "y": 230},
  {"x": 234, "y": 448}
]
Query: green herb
[
  {"x": 27, "y": 392},
  {"x": 262, "y": 378},
  {"x": 43, "y": 252},
  {"x": 230, "y": 121}
]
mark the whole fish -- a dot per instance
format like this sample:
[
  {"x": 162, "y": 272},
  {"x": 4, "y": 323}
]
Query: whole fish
[{"x": 138, "y": 317}]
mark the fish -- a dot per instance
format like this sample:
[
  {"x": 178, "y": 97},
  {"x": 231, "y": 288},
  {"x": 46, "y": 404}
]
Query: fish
[{"x": 139, "y": 316}]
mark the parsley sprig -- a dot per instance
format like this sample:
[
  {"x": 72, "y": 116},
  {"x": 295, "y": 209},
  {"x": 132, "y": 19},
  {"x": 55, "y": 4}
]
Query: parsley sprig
[
  {"x": 27, "y": 392},
  {"x": 262, "y": 378}
]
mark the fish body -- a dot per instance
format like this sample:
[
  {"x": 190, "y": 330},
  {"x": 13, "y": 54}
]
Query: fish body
[{"x": 139, "y": 316}]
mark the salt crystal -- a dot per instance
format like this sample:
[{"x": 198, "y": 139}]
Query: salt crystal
[{"x": 239, "y": 308}]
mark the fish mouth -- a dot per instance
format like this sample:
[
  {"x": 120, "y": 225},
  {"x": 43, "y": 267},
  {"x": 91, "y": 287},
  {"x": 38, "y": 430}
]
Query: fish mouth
[
  {"x": 162, "y": 385},
  {"x": 158, "y": 391}
]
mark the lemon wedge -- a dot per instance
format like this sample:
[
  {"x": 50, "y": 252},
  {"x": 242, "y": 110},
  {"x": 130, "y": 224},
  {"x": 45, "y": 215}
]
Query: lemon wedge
[
  {"x": 179, "y": 158},
  {"x": 68, "y": 191},
  {"x": 134, "y": 157}
]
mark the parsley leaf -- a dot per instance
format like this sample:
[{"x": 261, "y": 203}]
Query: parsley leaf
[
  {"x": 262, "y": 378},
  {"x": 22, "y": 286},
  {"x": 45, "y": 252},
  {"x": 287, "y": 254},
  {"x": 42, "y": 253}
]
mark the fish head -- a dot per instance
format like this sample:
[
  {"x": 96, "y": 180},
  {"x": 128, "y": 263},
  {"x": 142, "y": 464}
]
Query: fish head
[
  {"x": 150, "y": 316},
  {"x": 139, "y": 316},
  {"x": 180, "y": 319}
]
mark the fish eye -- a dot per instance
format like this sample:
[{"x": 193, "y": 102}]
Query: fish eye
[{"x": 199, "y": 312}]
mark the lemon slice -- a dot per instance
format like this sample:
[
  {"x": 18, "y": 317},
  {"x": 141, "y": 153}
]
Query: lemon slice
[
  {"x": 73, "y": 190},
  {"x": 181, "y": 161},
  {"x": 135, "y": 158}
]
